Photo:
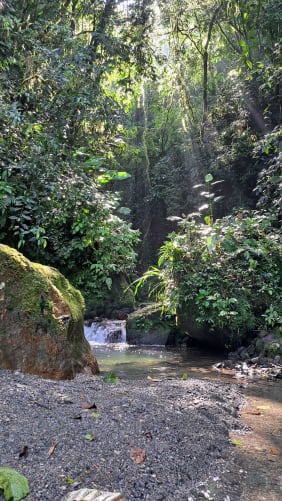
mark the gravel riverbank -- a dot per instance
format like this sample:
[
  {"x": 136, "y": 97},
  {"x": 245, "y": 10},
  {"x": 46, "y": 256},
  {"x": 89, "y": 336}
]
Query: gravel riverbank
[{"x": 151, "y": 440}]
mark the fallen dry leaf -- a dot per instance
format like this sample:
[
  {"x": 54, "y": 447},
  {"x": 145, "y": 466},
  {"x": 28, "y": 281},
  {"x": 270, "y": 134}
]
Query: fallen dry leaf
[
  {"x": 138, "y": 455},
  {"x": 274, "y": 451},
  {"x": 52, "y": 449}
]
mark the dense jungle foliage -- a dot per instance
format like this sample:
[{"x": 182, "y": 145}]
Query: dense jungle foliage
[{"x": 111, "y": 112}]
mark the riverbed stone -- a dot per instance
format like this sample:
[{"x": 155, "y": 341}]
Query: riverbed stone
[
  {"x": 41, "y": 320},
  {"x": 202, "y": 333},
  {"x": 147, "y": 326}
]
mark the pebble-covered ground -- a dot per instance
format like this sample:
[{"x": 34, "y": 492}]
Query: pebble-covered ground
[{"x": 151, "y": 440}]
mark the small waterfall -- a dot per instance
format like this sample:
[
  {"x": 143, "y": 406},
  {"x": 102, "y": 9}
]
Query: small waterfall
[{"x": 106, "y": 331}]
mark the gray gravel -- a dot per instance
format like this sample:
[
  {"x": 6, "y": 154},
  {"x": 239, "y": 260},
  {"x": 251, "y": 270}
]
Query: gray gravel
[{"x": 183, "y": 426}]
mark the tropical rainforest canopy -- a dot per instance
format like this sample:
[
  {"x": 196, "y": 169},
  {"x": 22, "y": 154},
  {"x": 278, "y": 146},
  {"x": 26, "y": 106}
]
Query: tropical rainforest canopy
[{"x": 133, "y": 126}]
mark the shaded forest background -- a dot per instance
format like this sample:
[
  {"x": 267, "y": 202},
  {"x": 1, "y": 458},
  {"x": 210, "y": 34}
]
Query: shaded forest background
[{"x": 111, "y": 112}]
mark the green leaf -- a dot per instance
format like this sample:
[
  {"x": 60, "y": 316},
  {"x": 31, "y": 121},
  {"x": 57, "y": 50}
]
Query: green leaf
[
  {"x": 242, "y": 43},
  {"x": 70, "y": 480},
  {"x": 95, "y": 415},
  {"x": 203, "y": 207},
  {"x": 184, "y": 377},
  {"x": 109, "y": 282},
  {"x": 93, "y": 162},
  {"x": 208, "y": 178},
  {"x": 110, "y": 378},
  {"x": 217, "y": 199},
  {"x": 208, "y": 220},
  {"x": 89, "y": 437},
  {"x": 120, "y": 176},
  {"x": 174, "y": 218},
  {"x": 104, "y": 178},
  {"x": 236, "y": 442},
  {"x": 14, "y": 485}
]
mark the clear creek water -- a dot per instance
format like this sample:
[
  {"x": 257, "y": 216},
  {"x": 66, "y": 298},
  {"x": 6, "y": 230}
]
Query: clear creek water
[
  {"x": 140, "y": 362},
  {"x": 260, "y": 453}
]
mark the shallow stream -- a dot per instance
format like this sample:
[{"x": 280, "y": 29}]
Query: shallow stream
[
  {"x": 259, "y": 454},
  {"x": 140, "y": 362}
]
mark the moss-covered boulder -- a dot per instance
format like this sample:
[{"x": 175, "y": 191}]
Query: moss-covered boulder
[
  {"x": 41, "y": 320},
  {"x": 202, "y": 334},
  {"x": 148, "y": 326}
]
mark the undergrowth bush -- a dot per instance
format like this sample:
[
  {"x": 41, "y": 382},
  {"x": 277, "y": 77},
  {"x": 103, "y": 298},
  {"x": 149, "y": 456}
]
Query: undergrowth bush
[{"x": 227, "y": 273}]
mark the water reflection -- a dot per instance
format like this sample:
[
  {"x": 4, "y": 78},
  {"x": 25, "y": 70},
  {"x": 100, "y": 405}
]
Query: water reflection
[
  {"x": 134, "y": 362},
  {"x": 140, "y": 362}
]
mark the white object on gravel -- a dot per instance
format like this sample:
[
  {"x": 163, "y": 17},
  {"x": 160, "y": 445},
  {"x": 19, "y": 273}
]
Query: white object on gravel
[{"x": 94, "y": 495}]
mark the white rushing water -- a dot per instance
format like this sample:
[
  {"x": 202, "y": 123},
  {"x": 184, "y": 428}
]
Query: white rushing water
[{"x": 106, "y": 331}]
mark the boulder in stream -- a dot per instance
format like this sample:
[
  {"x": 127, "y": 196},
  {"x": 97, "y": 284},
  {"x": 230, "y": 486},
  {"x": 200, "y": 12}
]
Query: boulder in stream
[
  {"x": 41, "y": 320},
  {"x": 147, "y": 326}
]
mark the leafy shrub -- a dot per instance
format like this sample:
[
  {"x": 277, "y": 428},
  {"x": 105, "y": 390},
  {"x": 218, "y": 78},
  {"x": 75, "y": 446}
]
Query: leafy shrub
[
  {"x": 228, "y": 275},
  {"x": 269, "y": 185},
  {"x": 66, "y": 221}
]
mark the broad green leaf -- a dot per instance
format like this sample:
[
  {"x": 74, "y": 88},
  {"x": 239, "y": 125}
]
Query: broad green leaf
[
  {"x": 104, "y": 178},
  {"x": 111, "y": 175},
  {"x": 109, "y": 282},
  {"x": 14, "y": 485},
  {"x": 207, "y": 220},
  {"x": 93, "y": 162},
  {"x": 184, "y": 377},
  {"x": 208, "y": 195},
  {"x": 217, "y": 182},
  {"x": 242, "y": 43},
  {"x": 174, "y": 218},
  {"x": 203, "y": 207},
  {"x": 208, "y": 178},
  {"x": 120, "y": 176},
  {"x": 217, "y": 199}
]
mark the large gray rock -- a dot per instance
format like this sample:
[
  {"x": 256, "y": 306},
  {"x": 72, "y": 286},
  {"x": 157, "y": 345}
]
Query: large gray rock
[
  {"x": 41, "y": 320},
  {"x": 202, "y": 334},
  {"x": 147, "y": 326}
]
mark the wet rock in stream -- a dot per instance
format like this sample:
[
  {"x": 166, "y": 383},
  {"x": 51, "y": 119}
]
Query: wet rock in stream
[{"x": 181, "y": 428}]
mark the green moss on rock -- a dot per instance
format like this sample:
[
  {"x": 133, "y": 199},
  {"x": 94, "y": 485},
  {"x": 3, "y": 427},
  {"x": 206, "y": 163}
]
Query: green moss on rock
[
  {"x": 148, "y": 326},
  {"x": 41, "y": 320}
]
